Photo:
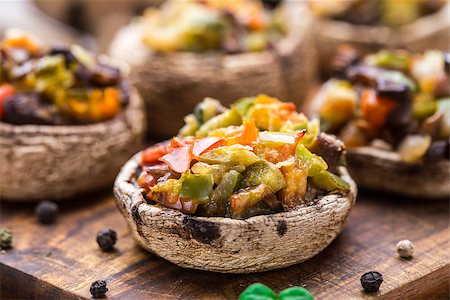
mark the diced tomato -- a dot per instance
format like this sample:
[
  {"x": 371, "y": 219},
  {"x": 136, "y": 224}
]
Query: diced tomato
[
  {"x": 154, "y": 153},
  {"x": 179, "y": 159},
  {"x": 375, "y": 110},
  {"x": 206, "y": 144},
  {"x": 6, "y": 91}
]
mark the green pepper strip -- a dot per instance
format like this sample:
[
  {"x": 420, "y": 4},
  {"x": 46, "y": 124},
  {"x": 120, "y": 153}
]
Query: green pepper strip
[
  {"x": 230, "y": 155},
  {"x": 315, "y": 163},
  {"x": 225, "y": 119},
  {"x": 329, "y": 182}
]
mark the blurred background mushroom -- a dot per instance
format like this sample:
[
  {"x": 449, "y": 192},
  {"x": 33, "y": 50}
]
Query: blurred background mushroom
[{"x": 26, "y": 16}]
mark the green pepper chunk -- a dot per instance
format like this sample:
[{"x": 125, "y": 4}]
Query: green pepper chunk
[
  {"x": 196, "y": 186},
  {"x": 263, "y": 172},
  {"x": 329, "y": 182},
  {"x": 230, "y": 155},
  {"x": 258, "y": 291},
  {"x": 227, "y": 186},
  {"x": 295, "y": 293},
  {"x": 228, "y": 118},
  {"x": 315, "y": 163}
]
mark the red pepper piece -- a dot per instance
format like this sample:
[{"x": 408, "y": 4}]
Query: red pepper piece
[
  {"x": 206, "y": 144},
  {"x": 179, "y": 159},
  {"x": 154, "y": 153}
]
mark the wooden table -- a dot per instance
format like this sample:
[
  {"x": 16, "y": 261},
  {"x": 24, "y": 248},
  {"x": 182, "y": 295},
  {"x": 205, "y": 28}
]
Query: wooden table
[{"x": 62, "y": 260}]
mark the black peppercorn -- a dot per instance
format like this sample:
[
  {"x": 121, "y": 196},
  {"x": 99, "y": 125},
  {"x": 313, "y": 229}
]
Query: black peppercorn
[
  {"x": 106, "y": 239},
  {"x": 46, "y": 212},
  {"x": 5, "y": 238},
  {"x": 371, "y": 281},
  {"x": 98, "y": 288}
]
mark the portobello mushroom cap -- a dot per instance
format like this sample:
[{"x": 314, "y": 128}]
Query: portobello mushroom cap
[
  {"x": 383, "y": 170},
  {"x": 172, "y": 84},
  {"x": 59, "y": 162},
  {"x": 418, "y": 36},
  {"x": 225, "y": 245}
]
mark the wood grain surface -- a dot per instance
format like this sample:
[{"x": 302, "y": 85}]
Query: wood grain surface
[{"x": 60, "y": 261}]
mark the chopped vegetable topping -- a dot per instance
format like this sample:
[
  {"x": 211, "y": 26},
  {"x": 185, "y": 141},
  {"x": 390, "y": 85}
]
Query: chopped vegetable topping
[
  {"x": 55, "y": 86},
  {"x": 394, "y": 96},
  {"x": 231, "y": 166},
  {"x": 203, "y": 25}
]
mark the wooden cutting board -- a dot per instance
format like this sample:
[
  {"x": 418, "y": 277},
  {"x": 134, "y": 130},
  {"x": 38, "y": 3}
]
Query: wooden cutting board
[{"x": 62, "y": 260}]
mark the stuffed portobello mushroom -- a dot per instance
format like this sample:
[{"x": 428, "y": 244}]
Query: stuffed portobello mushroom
[
  {"x": 67, "y": 121},
  {"x": 392, "y": 111},
  {"x": 370, "y": 25},
  {"x": 187, "y": 50},
  {"x": 238, "y": 189}
]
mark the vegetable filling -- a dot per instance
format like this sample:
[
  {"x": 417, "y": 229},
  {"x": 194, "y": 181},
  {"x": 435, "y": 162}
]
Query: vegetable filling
[
  {"x": 394, "y": 100},
  {"x": 209, "y": 25},
  {"x": 56, "y": 86},
  {"x": 254, "y": 158}
]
